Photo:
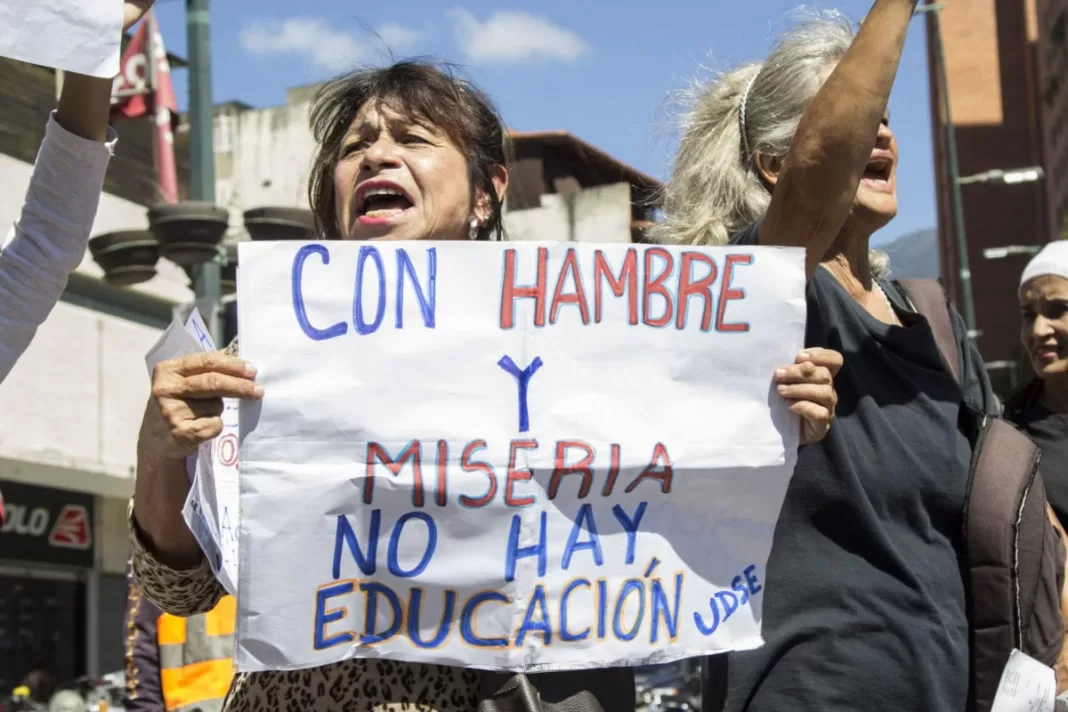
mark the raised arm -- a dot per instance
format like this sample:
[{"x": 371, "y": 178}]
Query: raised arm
[
  {"x": 48, "y": 240},
  {"x": 833, "y": 143}
]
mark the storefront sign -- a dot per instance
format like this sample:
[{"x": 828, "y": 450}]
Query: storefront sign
[{"x": 46, "y": 525}]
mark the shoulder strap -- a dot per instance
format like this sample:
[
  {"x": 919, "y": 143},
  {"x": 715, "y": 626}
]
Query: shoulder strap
[{"x": 930, "y": 301}]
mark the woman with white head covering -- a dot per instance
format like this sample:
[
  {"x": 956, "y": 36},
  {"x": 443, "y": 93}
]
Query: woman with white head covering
[{"x": 1041, "y": 408}]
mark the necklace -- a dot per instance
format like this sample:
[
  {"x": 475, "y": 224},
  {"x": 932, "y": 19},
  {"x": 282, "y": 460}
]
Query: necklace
[{"x": 889, "y": 307}]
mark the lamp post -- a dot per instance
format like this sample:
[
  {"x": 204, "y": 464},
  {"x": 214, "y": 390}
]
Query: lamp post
[
  {"x": 201, "y": 154},
  {"x": 964, "y": 273}
]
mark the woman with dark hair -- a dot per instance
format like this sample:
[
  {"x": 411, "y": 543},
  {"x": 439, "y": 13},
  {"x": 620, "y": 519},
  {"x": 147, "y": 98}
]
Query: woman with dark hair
[{"x": 406, "y": 152}]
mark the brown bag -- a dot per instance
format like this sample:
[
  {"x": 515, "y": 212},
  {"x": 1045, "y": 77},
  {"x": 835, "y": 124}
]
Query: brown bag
[{"x": 1014, "y": 556}]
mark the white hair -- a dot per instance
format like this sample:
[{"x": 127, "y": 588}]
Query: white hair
[{"x": 715, "y": 189}]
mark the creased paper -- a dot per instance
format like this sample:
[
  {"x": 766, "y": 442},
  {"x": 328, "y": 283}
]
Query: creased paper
[
  {"x": 511, "y": 456},
  {"x": 210, "y": 510},
  {"x": 80, "y": 36}
]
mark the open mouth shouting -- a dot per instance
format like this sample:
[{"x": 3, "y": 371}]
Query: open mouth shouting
[
  {"x": 380, "y": 202},
  {"x": 878, "y": 171}
]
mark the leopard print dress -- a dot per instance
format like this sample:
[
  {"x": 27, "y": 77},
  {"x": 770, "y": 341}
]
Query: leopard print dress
[{"x": 359, "y": 685}]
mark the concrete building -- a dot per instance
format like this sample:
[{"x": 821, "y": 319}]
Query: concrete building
[
  {"x": 71, "y": 411},
  {"x": 561, "y": 188},
  {"x": 994, "y": 74},
  {"x": 1052, "y": 56}
]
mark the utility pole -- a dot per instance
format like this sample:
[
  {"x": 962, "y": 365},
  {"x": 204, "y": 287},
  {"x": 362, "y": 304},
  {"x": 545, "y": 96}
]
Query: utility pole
[
  {"x": 201, "y": 154},
  {"x": 964, "y": 272}
]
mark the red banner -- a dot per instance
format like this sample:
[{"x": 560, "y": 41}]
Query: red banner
[{"x": 136, "y": 94}]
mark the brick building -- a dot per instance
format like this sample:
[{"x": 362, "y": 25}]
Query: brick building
[
  {"x": 991, "y": 64},
  {"x": 1052, "y": 56}
]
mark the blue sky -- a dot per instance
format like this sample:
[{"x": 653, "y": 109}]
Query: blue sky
[{"x": 601, "y": 70}]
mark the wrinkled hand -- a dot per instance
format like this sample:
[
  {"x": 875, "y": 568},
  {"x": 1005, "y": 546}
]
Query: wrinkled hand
[
  {"x": 188, "y": 394},
  {"x": 134, "y": 10},
  {"x": 808, "y": 385}
]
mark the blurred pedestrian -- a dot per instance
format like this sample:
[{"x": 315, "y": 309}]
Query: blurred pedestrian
[{"x": 176, "y": 664}]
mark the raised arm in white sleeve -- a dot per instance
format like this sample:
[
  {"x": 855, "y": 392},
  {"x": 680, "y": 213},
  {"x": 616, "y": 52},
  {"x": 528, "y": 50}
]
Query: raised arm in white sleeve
[{"x": 48, "y": 241}]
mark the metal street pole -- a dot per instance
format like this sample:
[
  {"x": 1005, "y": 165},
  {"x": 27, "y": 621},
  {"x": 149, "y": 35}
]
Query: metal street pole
[
  {"x": 964, "y": 273},
  {"x": 201, "y": 154}
]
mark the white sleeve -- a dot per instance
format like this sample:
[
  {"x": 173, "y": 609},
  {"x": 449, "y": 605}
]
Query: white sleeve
[{"x": 48, "y": 241}]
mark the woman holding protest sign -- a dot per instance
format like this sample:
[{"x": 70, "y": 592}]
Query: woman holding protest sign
[
  {"x": 406, "y": 152},
  {"x": 867, "y": 604}
]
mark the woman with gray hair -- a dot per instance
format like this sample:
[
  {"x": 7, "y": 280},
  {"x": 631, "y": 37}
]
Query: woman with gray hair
[{"x": 866, "y": 603}]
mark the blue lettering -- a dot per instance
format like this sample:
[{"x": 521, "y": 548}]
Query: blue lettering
[
  {"x": 704, "y": 628},
  {"x": 729, "y": 602},
  {"x": 739, "y": 588},
  {"x": 515, "y": 552},
  {"x": 298, "y": 295},
  {"x": 629, "y": 586},
  {"x": 346, "y": 535},
  {"x": 522, "y": 378},
  {"x": 585, "y": 516},
  {"x": 415, "y": 601},
  {"x": 602, "y": 607},
  {"x": 663, "y": 611},
  {"x": 467, "y": 620},
  {"x": 392, "y": 561},
  {"x": 565, "y": 634},
  {"x": 427, "y": 299},
  {"x": 630, "y": 526},
  {"x": 362, "y": 327},
  {"x": 370, "y": 621},
  {"x": 537, "y": 604},
  {"x": 322, "y": 618},
  {"x": 751, "y": 579}
]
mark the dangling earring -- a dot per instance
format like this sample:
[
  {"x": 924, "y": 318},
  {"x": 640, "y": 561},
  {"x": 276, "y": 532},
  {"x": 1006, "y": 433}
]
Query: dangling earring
[{"x": 473, "y": 231}]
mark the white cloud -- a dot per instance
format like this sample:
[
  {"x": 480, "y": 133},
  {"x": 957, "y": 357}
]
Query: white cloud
[
  {"x": 327, "y": 47},
  {"x": 399, "y": 38},
  {"x": 514, "y": 36}
]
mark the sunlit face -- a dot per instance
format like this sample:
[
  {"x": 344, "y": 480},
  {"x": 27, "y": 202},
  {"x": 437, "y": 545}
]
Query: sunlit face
[
  {"x": 1044, "y": 328},
  {"x": 399, "y": 179},
  {"x": 876, "y": 199},
  {"x": 875, "y": 203}
]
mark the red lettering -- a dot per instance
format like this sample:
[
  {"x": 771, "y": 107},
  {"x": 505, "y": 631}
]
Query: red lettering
[
  {"x": 659, "y": 468},
  {"x": 571, "y": 266},
  {"x": 510, "y": 292},
  {"x": 469, "y": 465},
  {"x": 443, "y": 471},
  {"x": 515, "y": 475},
  {"x": 613, "y": 472},
  {"x": 603, "y": 271},
  {"x": 701, "y": 288},
  {"x": 377, "y": 453},
  {"x": 562, "y": 469},
  {"x": 656, "y": 286},
  {"x": 726, "y": 293}
]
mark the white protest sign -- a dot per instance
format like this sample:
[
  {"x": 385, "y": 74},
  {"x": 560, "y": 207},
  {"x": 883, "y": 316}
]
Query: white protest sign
[
  {"x": 511, "y": 456},
  {"x": 210, "y": 510},
  {"x": 80, "y": 36}
]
